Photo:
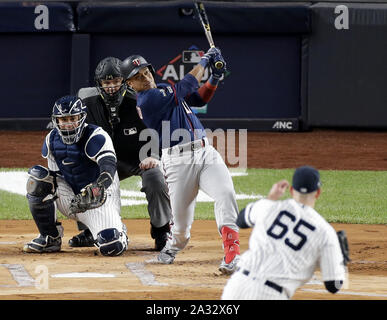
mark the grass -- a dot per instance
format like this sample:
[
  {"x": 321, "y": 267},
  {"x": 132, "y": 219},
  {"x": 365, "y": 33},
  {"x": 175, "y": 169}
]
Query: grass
[{"x": 347, "y": 197}]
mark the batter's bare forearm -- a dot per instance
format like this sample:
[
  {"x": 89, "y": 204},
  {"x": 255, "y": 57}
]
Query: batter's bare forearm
[{"x": 197, "y": 72}]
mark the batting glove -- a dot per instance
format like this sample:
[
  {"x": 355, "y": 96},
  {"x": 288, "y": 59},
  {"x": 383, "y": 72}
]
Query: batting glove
[
  {"x": 217, "y": 74},
  {"x": 209, "y": 56}
]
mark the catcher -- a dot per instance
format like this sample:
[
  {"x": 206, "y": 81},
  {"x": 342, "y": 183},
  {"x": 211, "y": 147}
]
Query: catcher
[{"x": 81, "y": 181}]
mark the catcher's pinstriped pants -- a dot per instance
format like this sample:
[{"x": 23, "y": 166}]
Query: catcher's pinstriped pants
[{"x": 104, "y": 217}]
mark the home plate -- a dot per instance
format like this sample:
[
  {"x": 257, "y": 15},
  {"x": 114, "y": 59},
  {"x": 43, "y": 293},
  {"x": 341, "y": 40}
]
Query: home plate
[{"x": 83, "y": 275}]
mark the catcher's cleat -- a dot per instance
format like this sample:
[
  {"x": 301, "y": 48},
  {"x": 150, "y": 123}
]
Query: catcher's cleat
[
  {"x": 84, "y": 239},
  {"x": 160, "y": 235},
  {"x": 43, "y": 244},
  {"x": 167, "y": 256},
  {"x": 229, "y": 268}
]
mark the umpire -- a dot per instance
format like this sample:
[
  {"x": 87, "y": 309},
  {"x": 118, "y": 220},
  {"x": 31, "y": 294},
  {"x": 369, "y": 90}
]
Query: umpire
[{"x": 113, "y": 107}]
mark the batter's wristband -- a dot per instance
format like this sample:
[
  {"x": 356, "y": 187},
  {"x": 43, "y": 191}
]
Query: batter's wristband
[
  {"x": 213, "y": 81},
  {"x": 204, "y": 62}
]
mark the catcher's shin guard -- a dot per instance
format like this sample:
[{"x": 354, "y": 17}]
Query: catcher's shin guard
[{"x": 41, "y": 196}]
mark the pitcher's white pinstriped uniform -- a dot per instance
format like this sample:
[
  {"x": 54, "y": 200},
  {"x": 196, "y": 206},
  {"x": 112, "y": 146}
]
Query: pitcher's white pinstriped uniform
[
  {"x": 104, "y": 217},
  {"x": 288, "y": 241}
]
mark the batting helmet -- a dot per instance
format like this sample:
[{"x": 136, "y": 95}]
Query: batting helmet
[
  {"x": 69, "y": 106},
  {"x": 133, "y": 64}
]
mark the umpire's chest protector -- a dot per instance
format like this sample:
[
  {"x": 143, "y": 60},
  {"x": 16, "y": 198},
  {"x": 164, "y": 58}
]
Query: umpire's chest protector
[{"x": 77, "y": 168}]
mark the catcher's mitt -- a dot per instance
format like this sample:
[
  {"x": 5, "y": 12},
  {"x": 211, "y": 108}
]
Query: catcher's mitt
[
  {"x": 92, "y": 196},
  {"x": 344, "y": 245}
]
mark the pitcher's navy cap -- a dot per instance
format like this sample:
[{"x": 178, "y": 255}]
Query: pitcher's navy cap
[{"x": 306, "y": 179}]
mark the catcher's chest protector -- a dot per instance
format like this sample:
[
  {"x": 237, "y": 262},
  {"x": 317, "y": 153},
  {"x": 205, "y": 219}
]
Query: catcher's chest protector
[{"x": 77, "y": 169}]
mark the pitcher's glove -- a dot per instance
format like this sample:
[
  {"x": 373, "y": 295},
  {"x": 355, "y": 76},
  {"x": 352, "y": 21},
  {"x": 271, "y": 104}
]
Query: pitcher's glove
[
  {"x": 91, "y": 197},
  {"x": 344, "y": 246}
]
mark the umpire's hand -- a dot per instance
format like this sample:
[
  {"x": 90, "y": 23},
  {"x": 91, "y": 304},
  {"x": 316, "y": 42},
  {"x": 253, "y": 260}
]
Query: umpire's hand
[{"x": 148, "y": 163}]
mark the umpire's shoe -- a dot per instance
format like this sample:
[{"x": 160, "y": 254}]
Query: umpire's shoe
[
  {"x": 43, "y": 244},
  {"x": 160, "y": 235},
  {"x": 84, "y": 239}
]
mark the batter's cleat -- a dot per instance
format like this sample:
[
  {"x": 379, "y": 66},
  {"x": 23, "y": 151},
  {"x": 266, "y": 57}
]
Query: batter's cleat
[
  {"x": 43, "y": 244},
  {"x": 231, "y": 249},
  {"x": 167, "y": 256},
  {"x": 84, "y": 239},
  {"x": 160, "y": 235},
  {"x": 229, "y": 268}
]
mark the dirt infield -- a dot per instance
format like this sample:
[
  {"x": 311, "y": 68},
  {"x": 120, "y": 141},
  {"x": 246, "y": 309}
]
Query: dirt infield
[{"x": 194, "y": 275}]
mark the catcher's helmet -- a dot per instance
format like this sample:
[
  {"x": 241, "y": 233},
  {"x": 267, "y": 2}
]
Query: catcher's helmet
[
  {"x": 109, "y": 69},
  {"x": 133, "y": 64},
  {"x": 68, "y": 106}
]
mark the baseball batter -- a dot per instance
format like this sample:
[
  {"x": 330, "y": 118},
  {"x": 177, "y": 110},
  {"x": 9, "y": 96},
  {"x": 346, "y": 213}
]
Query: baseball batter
[
  {"x": 289, "y": 240},
  {"x": 189, "y": 162},
  {"x": 81, "y": 182}
]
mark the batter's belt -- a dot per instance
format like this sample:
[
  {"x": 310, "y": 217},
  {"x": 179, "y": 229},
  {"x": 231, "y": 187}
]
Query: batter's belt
[{"x": 190, "y": 146}]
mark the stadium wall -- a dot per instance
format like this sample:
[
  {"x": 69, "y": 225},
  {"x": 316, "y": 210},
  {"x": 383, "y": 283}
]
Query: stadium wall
[{"x": 292, "y": 65}]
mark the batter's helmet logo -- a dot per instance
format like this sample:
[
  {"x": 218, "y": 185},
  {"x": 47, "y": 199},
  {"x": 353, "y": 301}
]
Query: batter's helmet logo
[{"x": 136, "y": 62}]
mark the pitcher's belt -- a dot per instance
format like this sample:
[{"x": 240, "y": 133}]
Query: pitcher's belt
[{"x": 268, "y": 283}]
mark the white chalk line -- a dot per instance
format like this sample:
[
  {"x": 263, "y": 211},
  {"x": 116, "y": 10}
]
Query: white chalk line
[
  {"x": 369, "y": 262},
  {"x": 15, "y": 182},
  {"x": 351, "y": 293},
  {"x": 83, "y": 275},
  {"x": 146, "y": 277},
  {"x": 20, "y": 275}
]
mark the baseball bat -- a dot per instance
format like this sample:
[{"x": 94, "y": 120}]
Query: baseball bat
[{"x": 201, "y": 12}]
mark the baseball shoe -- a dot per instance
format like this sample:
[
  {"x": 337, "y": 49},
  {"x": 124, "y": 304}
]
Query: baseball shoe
[
  {"x": 167, "y": 256},
  {"x": 160, "y": 235},
  {"x": 43, "y": 244},
  {"x": 229, "y": 268},
  {"x": 84, "y": 239}
]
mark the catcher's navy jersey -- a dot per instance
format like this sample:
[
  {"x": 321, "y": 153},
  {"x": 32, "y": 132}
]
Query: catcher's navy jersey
[
  {"x": 167, "y": 103},
  {"x": 78, "y": 162}
]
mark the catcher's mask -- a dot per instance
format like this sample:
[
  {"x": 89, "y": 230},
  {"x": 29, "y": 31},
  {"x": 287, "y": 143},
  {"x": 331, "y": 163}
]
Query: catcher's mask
[
  {"x": 68, "y": 117},
  {"x": 133, "y": 64},
  {"x": 109, "y": 69}
]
